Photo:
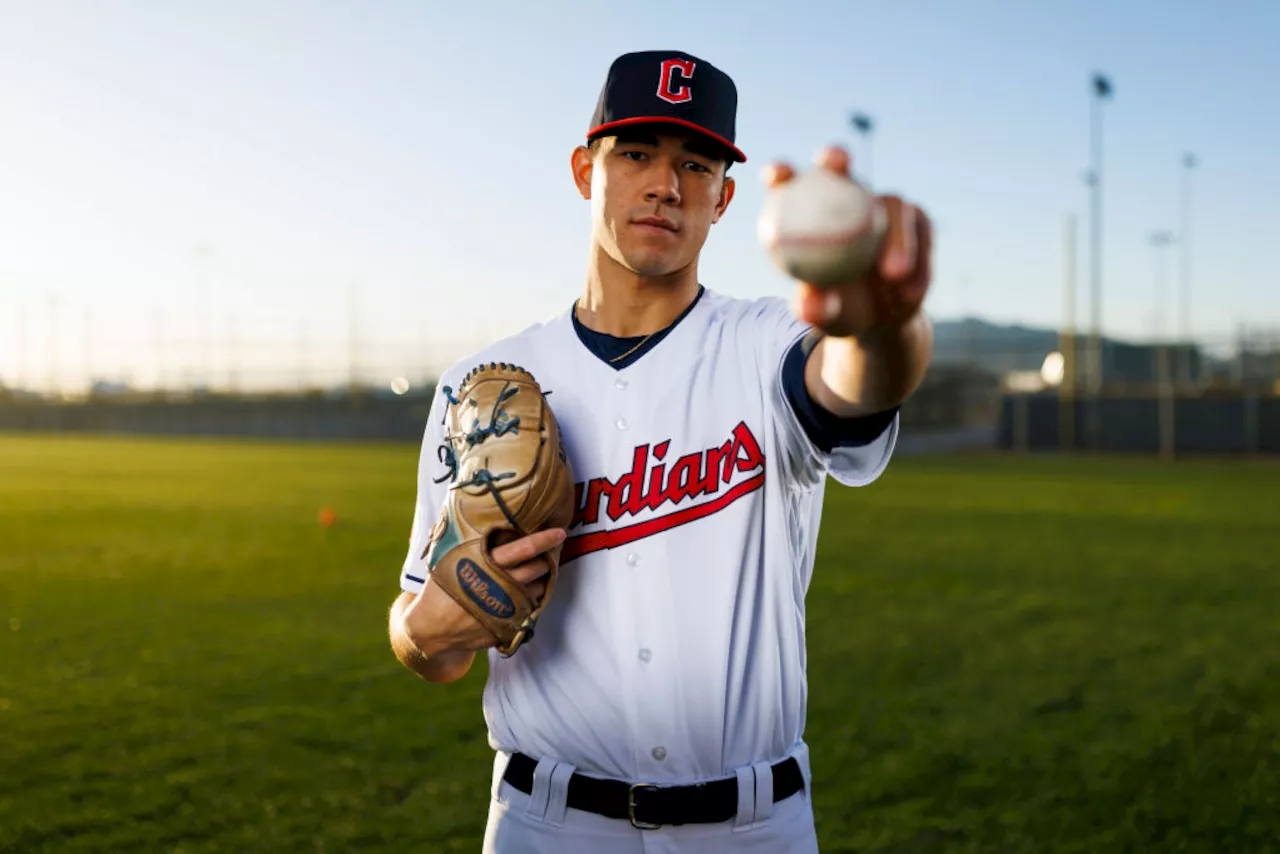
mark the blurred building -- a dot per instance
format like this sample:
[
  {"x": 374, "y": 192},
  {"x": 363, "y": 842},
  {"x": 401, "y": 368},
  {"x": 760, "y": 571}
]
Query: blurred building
[{"x": 953, "y": 395}]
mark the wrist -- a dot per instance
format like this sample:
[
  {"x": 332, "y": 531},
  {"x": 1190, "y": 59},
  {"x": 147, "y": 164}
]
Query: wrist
[
  {"x": 872, "y": 371},
  {"x": 891, "y": 335},
  {"x": 893, "y": 346},
  {"x": 419, "y": 634}
]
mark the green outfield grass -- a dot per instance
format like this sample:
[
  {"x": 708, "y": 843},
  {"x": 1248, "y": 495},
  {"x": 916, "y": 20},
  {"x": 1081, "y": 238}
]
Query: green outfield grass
[{"x": 1006, "y": 655}]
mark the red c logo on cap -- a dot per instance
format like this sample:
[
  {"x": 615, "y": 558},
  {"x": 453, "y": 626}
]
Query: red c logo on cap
[{"x": 667, "y": 88}]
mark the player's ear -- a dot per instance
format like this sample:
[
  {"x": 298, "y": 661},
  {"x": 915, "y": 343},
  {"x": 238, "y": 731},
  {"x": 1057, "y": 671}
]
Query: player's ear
[
  {"x": 727, "y": 186},
  {"x": 582, "y": 163}
]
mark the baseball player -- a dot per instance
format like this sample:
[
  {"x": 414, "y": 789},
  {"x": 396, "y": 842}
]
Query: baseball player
[{"x": 661, "y": 705}]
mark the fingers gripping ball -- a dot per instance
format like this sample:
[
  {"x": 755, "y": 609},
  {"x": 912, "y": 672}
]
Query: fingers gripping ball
[
  {"x": 508, "y": 477},
  {"x": 822, "y": 228}
]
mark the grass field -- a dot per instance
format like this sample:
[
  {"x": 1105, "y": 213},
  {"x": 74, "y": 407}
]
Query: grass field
[{"x": 1006, "y": 655}]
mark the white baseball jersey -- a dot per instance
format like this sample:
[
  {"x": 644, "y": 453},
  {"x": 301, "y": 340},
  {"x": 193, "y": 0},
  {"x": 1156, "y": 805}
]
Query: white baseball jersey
[{"x": 673, "y": 648}]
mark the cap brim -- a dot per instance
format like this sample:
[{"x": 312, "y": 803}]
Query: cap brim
[{"x": 734, "y": 152}]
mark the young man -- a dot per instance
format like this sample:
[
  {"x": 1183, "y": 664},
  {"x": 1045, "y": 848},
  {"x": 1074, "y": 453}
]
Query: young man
[{"x": 672, "y": 652}]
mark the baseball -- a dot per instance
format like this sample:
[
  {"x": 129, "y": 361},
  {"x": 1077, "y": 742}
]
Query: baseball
[{"x": 821, "y": 228}]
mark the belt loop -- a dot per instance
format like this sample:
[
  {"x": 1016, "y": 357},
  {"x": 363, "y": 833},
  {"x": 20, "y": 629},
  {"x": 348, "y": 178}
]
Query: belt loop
[
  {"x": 746, "y": 797},
  {"x": 501, "y": 759},
  {"x": 764, "y": 791},
  {"x": 541, "y": 790},
  {"x": 558, "y": 793},
  {"x": 801, "y": 753}
]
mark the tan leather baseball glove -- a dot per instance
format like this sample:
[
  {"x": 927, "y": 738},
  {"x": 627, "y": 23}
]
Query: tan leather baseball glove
[{"x": 509, "y": 477}]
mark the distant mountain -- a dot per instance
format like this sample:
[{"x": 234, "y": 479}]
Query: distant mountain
[
  {"x": 1000, "y": 349},
  {"x": 991, "y": 346}
]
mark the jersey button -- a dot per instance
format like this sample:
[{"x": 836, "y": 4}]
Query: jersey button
[
  {"x": 619, "y": 383},
  {"x": 633, "y": 559},
  {"x": 659, "y": 753},
  {"x": 621, "y": 423},
  {"x": 645, "y": 655}
]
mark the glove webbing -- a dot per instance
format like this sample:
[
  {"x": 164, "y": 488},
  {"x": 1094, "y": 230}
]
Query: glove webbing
[{"x": 499, "y": 424}]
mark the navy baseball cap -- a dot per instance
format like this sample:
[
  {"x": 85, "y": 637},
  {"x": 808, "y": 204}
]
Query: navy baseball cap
[{"x": 668, "y": 87}]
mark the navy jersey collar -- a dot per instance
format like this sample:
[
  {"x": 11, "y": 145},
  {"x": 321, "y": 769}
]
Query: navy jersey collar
[{"x": 605, "y": 347}]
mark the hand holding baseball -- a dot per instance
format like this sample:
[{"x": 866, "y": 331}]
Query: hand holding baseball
[{"x": 862, "y": 263}]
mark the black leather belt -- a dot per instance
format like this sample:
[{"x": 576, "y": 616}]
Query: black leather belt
[{"x": 649, "y": 806}]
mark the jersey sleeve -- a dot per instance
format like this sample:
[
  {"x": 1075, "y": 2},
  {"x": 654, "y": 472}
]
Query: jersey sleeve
[
  {"x": 430, "y": 495},
  {"x": 853, "y": 451}
]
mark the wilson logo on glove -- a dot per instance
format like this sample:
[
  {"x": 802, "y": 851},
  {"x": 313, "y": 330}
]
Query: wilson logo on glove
[{"x": 483, "y": 590}]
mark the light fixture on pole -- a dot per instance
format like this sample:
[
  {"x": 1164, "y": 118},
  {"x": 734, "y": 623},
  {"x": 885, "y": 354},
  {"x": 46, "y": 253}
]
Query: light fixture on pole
[{"x": 865, "y": 126}]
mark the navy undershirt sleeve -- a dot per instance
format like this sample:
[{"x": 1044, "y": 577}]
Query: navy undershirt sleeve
[{"x": 826, "y": 430}]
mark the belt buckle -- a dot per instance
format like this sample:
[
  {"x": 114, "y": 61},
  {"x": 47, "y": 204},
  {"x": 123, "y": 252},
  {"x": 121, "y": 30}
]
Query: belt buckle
[{"x": 631, "y": 806}]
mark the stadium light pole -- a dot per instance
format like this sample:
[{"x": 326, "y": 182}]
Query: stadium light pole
[
  {"x": 1189, "y": 164},
  {"x": 865, "y": 127},
  {"x": 202, "y": 374},
  {"x": 1101, "y": 89},
  {"x": 20, "y": 378},
  {"x": 53, "y": 381},
  {"x": 1067, "y": 339},
  {"x": 1160, "y": 241}
]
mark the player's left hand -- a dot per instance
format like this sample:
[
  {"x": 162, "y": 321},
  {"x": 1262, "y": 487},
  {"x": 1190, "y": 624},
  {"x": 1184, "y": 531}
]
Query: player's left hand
[{"x": 892, "y": 293}]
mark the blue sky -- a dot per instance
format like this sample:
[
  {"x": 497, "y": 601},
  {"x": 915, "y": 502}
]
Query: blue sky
[{"x": 418, "y": 153}]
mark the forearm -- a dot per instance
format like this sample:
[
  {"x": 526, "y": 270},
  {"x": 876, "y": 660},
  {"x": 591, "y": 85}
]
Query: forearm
[
  {"x": 850, "y": 377},
  {"x": 408, "y": 643}
]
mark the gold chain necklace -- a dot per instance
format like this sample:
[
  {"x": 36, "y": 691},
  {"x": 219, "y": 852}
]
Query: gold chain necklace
[{"x": 633, "y": 349}]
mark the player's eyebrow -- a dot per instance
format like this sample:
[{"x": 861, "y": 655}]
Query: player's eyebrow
[
  {"x": 695, "y": 145},
  {"x": 703, "y": 148}
]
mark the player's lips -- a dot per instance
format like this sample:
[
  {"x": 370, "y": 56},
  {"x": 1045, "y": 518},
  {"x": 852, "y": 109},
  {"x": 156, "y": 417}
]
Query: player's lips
[{"x": 656, "y": 224}]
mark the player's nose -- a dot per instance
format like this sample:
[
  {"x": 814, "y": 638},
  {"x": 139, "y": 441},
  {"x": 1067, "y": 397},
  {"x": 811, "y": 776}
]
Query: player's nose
[{"x": 664, "y": 185}]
